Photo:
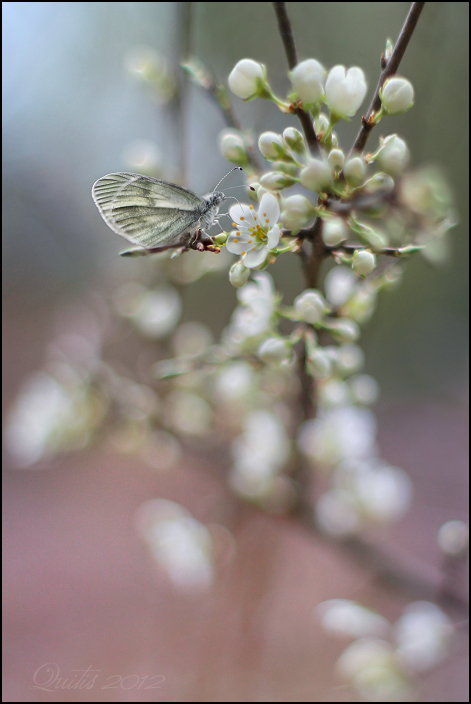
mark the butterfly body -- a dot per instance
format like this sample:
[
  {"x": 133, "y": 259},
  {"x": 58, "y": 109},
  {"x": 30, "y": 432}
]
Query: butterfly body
[{"x": 154, "y": 214}]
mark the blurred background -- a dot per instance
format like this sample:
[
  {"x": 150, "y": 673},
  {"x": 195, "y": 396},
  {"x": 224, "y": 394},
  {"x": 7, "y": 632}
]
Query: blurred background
[{"x": 80, "y": 589}]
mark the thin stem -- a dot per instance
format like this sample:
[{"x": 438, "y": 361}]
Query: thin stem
[
  {"x": 287, "y": 37},
  {"x": 205, "y": 79},
  {"x": 391, "y": 68}
]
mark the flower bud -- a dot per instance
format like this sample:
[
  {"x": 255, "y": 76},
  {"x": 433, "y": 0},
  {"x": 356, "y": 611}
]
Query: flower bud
[
  {"x": 308, "y": 81},
  {"x": 363, "y": 262},
  {"x": 316, "y": 175},
  {"x": 220, "y": 238},
  {"x": 274, "y": 350},
  {"x": 297, "y": 211},
  {"x": 364, "y": 389},
  {"x": 393, "y": 155},
  {"x": 319, "y": 363},
  {"x": 276, "y": 180},
  {"x": 355, "y": 171},
  {"x": 246, "y": 78},
  {"x": 345, "y": 90},
  {"x": 310, "y": 306},
  {"x": 453, "y": 538},
  {"x": 343, "y": 329},
  {"x": 336, "y": 159},
  {"x": 379, "y": 183},
  {"x": 238, "y": 274},
  {"x": 334, "y": 231},
  {"x": 397, "y": 95},
  {"x": 272, "y": 146},
  {"x": 294, "y": 140},
  {"x": 232, "y": 147}
]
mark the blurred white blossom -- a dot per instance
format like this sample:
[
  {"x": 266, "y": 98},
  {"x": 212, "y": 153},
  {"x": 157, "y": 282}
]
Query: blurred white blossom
[
  {"x": 346, "y": 618},
  {"x": 423, "y": 635},
  {"x": 181, "y": 545}
]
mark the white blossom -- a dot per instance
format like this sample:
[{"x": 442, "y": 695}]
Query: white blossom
[
  {"x": 179, "y": 543},
  {"x": 422, "y": 635},
  {"x": 363, "y": 262},
  {"x": 334, "y": 231},
  {"x": 355, "y": 171},
  {"x": 245, "y": 78},
  {"x": 274, "y": 350},
  {"x": 397, "y": 95},
  {"x": 308, "y": 81},
  {"x": 316, "y": 175},
  {"x": 256, "y": 234},
  {"x": 232, "y": 146},
  {"x": 238, "y": 274},
  {"x": 344, "y": 617},
  {"x": 297, "y": 211},
  {"x": 310, "y": 306},
  {"x": 345, "y": 90},
  {"x": 271, "y": 146}
]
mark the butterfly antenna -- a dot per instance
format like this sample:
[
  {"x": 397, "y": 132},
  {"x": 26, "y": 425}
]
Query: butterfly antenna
[{"x": 236, "y": 168}]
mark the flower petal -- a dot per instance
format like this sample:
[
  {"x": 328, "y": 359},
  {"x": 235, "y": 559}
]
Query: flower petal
[
  {"x": 273, "y": 237},
  {"x": 255, "y": 257},
  {"x": 242, "y": 215},
  {"x": 238, "y": 243},
  {"x": 269, "y": 209}
]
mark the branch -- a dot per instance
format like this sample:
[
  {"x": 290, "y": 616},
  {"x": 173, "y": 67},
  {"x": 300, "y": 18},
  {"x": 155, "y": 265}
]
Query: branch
[
  {"x": 391, "y": 68},
  {"x": 286, "y": 33},
  {"x": 206, "y": 80}
]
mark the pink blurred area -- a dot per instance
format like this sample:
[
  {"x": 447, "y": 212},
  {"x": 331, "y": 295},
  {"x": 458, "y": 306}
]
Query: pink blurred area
[{"x": 81, "y": 590}]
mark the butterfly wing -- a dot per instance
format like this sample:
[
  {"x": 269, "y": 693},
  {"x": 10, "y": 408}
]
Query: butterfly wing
[{"x": 146, "y": 211}]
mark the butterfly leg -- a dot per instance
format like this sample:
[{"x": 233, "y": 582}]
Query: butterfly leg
[{"x": 203, "y": 242}]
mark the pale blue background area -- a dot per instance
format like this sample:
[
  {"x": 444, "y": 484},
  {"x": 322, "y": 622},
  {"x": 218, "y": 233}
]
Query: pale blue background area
[{"x": 70, "y": 109}]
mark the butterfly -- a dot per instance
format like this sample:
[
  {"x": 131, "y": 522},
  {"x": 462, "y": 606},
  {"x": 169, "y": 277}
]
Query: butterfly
[{"x": 156, "y": 215}]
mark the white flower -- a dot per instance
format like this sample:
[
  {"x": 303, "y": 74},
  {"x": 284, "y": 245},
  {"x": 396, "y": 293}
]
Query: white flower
[
  {"x": 344, "y": 617},
  {"x": 343, "y": 329},
  {"x": 363, "y": 262},
  {"x": 256, "y": 234},
  {"x": 397, "y": 95},
  {"x": 276, "y": 180},
  {"x": 271, "y": 146},
  {"x": 238, "y": 274},
  {"x": 393, "y": 155},
  {"x": 422, "y": 633},
  {"x": 345, "y": 90},
  {"x": 350, "y": 358},
  {"x": 179, "y": 543},
  {"x": 294, "y": 140},
  {"x": 339, "y": 285},
  {"x": 338, "y": 434},
  {"x": 453, "y": 538},
  {"x": 383, "y": 492},
  {"x": 253, "y": 317},
  {"x": 334, "y": 231},
  {"x": 364, "y": 388},
  {"x": 319, "y": 363},
  {"x": 274, "y": 350},
  {"x": 297, "y": 211},
  {"x": 336, "y": 159},
  {"x": 308, "y": 81},
  {"x": 309, "y": 306},
  {"x": 232, "y": 146},
  {"x": 245, "y": 78},
  {"x": 355, "y": 171},
  {"x": 316, "y": 175}
]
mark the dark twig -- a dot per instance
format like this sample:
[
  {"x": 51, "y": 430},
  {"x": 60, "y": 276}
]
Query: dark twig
[
  {"x": 286, "y": 33},
  {"x": 391, "y": 68}
]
